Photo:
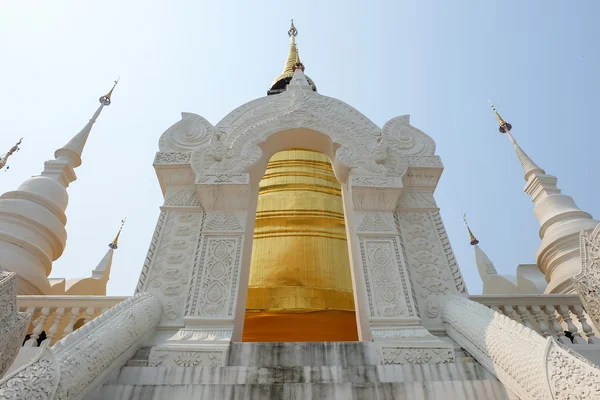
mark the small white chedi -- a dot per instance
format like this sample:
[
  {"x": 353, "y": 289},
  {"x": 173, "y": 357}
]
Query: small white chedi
[{"x": 179, "y": 336}]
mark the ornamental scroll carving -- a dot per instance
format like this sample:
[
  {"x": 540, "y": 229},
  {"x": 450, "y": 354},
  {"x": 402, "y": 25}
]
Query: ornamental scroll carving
[
  {"x": 172, "y": 256},
  {"x": 187, "y": 134},
  {"x": 172, "y": 158},
  {"x": 364, "y": 147},
  {"x": 216, "y": 276},
  {"x": 192, "y": 358},
  {"x": 587, "y": 282}
]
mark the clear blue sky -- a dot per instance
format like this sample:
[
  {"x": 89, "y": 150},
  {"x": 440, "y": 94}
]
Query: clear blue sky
[{"x": 438, "y": 61}]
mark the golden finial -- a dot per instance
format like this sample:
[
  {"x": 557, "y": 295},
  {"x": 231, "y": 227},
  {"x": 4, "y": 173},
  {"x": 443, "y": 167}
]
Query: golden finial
[
  {"x": 105, "y": 100},
  {"x": 474, "y": 241},
  {"x": 504, "y": 126},
  {"x": 4, "y": 158},
  {"x": 115, "y": 243}
]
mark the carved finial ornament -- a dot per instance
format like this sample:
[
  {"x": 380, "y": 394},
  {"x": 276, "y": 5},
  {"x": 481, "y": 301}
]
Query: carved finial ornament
[
  {"x": 115, "y": 243},
  {"x": 13, "y": 149},
  {"x": 504, "y": 126},
  {"x": 105, "y": 100},
  {"x": 474, "y": 241}
]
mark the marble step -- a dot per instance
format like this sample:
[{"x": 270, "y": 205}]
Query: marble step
[
  {"x": 140, "y": 358},
  {"x": 321, "y": 374},
  {"x": 448, "y": 390},
  {"x": 285, "y": 354}
]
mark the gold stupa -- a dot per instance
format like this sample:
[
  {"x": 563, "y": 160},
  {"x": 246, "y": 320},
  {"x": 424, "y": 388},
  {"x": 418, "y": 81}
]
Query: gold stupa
[{"x": 300, "y": 285}]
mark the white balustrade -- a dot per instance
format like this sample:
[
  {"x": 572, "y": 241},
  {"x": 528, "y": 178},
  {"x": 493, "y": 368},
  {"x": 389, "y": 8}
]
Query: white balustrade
[
  {"x": 57, "y": 316},
  {"x": 548, "y": 315}
]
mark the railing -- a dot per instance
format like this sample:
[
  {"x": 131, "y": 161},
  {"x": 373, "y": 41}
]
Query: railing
[
  {"x": 559, "y": 316},
  {"x": 53, "y": 317}
]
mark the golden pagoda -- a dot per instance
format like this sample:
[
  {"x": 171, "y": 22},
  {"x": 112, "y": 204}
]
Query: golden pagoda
[{"x": 300, "y": 286}]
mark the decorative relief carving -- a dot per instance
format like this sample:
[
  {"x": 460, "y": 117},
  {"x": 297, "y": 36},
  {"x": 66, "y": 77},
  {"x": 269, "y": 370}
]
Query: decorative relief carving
[
  {"x": 459, "y": 283},
  {"x": 38, "y": 379},
  {"x": 587, "y": 282},
  {"x": 190, "y": 132},
  {"x": 363, "y": 149},
  {"x": 420, "y": 178},
  {"x": 189, "y": 358},
  {"x": 518, "y": 355},
  {"x": 426, "y": 260},
  {"x": 182, "y": 197},
  {"x": 397, "y": 355},
  {"x": 571, "y": 376},
  {"x": 152, "y": 251},
  {"x": 416, "y": 200},
  {"x": 222, "y": 221},
  {"x": 172, "y": 265},
  {"x": 377, "y": 181},
  {"x": 172, "y": 158},
  {"x": 375, "y": 222},
  {"x": 216, "y": 277},
  {"x": 13, "y": 324},
  {"x": 424, "y": 162},
  {"x": 223, "y": 178},
  {"x": 208, "y": 335},
  {"x": 407, "y": 140},
  {"x": 384, "y": 276}
]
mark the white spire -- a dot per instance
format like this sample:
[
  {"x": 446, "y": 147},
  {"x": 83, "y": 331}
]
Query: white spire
[
  {"x": 74, "y": 148},
  {"x": 559, "y": 217}
]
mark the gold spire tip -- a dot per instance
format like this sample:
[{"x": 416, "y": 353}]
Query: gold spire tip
[
  {"x": 474, "y": 241},
  {"x": 115, "y": 243},
  {"x": 504, "y": 126},
  {"x": 105, "y": 100}
]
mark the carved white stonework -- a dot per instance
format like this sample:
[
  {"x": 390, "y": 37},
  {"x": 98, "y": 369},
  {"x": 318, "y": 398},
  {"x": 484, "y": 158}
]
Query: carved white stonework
[
  {"x": 418, "y": 355},
  {"x": 13, "y": 324},
  {"x": 38, "y": 379},
  {"x": 172, "y": 158},
  {"x": 431, "y": 262},
  {"x": 192, "y": 357},
  {"x": 387, "y": 281},
  {"x": 191, "y": 132},
  {"x": 530, "y": 366},
  {"x": 84, "y": 359},
  {"x": 215, "y": 280},
  {"x": 182, "y": 196},
  {"x": 587, "y": 282},
  {"x": 224, "y": 221},
  {"x": 410, "y": 200},
  {"x": 169, "y": 265}
]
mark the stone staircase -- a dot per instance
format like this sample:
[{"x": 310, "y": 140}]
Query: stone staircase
[{"x": 342, "y": 370}]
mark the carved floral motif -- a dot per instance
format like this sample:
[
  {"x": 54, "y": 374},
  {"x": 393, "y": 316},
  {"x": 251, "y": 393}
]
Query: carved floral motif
[
  {"x": 190, "y": 132},
  {"x": 38, "y": 379}
]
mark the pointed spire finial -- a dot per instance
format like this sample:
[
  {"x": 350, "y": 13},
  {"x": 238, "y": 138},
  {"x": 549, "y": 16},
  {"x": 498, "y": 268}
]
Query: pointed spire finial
[
  {"x": 115, "y": 243},
  {"x": 105, "y": 100},
  {"x": 474, "y": 241},
  {"x": 504, "y": 126},
  {"x": 293, "y": 32},
  {"x": 13, "y": 149}
]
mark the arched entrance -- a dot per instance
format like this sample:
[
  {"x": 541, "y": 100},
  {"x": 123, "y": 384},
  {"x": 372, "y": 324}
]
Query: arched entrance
[{"x": 300, "y": 285}]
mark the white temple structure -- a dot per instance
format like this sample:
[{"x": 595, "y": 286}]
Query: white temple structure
[{"x": 299, "y": 253}]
